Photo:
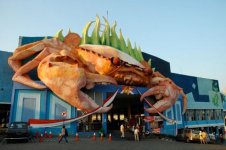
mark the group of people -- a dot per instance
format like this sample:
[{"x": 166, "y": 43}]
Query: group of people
[{"x": 135, "y": 129}]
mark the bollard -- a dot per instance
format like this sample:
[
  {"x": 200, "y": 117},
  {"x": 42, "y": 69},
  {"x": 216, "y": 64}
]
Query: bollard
[
  {"x": 41, "y": 138},
  {"x": 76, "y": 137},
  {"x": 50, "y": 135},
  {"x": 36, "y": 134},
  {"x": 94, "y": 136},
  {"x": 45, "y": 134},
  {"x": 109, "y": 138}
]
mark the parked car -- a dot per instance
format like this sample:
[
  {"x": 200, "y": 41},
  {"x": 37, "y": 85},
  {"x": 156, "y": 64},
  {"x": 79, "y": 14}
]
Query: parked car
[
  {"x": 192, "y": 135},
  {"x": 18, "y": 131},
  {"x": 188, "y": 135}
]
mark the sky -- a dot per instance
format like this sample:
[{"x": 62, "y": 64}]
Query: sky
[{"x": 189, "y": 34}]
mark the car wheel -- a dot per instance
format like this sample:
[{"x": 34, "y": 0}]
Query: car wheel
[{"x": 187, "y": 140}]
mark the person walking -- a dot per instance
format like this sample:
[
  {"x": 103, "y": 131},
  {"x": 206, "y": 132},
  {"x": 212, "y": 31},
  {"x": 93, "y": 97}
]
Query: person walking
[
  {"x": 200, "y": 137},
  {"x": 122, "y": 130},
  {"x": 204, "y": 137},
  {"x": 64, "y": 134},
  {"x": 136, "y": 134}
]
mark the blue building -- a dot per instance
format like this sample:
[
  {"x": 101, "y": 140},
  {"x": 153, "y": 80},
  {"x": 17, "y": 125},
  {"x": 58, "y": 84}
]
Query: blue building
[
  {"x": 6, "y": 85},
  {"x": 205, "y": 103},
  {"x": 205, "y": 107}
]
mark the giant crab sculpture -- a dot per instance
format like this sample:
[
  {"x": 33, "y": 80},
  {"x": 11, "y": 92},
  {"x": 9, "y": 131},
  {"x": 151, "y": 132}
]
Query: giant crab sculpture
[{"x": 66, "y": 65}]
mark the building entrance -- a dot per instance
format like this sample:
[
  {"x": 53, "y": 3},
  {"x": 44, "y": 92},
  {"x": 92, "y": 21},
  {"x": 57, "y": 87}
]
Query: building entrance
[
  {"x": 126, "y": 109},
  {"x": 4, "y": 115}
]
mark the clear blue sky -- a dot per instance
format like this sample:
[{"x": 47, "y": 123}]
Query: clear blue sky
[{"x": 190, "y": 34}]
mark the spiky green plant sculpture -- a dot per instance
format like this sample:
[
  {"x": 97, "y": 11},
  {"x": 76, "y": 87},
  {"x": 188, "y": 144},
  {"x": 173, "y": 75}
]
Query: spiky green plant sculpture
[{"x": 109, "y": 37}]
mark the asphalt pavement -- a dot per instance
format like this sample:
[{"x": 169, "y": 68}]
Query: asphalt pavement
[{"x": 154, "y": 143}]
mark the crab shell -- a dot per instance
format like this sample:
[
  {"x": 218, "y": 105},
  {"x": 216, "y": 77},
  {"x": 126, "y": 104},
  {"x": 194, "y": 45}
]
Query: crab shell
[{"x": 109, "y": 52}]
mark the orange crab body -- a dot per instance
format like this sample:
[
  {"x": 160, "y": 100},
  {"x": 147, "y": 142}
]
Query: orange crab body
[{"x": 66, "y": 68}]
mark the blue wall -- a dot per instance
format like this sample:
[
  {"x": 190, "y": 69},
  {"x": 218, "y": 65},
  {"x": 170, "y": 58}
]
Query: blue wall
[
  {"x": 201, "y": 93},
  {"x": 6, "y": 74},
  {"x": 203, "y": 96},
  {"x": 44, "y": 108}
]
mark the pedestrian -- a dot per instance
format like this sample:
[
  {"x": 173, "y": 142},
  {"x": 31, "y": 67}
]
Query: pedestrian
[
  {"x": 136, "y": 134},
  {"x": 122, "y": 130},
  {"x": 64, "y": 134},
  {"x": 200, "y": 137},
  {"x": 221, "y": 138},
  {"x": 143, "y": 130},
  {"x": 204, "y": 137}
]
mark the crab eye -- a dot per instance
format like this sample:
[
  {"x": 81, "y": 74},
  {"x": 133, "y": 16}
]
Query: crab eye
[
  {"x": 148, "y": 71},
  {"x": 116, "y": 61}
]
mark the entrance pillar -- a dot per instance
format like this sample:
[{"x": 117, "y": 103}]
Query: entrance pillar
[
  {"x": 104, "y": 115},
  {"x": 147, "y": 124},
  {"x": 104, "y": 122}
]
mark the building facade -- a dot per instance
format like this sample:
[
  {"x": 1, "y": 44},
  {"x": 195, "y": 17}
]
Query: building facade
[
  {"x": 205, "y": 105},
  {"x": 205, "y": 109},
  {"x": 6, "y": 85}
]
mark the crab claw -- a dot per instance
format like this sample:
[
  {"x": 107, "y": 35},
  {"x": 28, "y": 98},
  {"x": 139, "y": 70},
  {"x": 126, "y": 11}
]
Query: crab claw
[
  {"x": 163, "y": 97},
  {"x": 62, "y": 74}
]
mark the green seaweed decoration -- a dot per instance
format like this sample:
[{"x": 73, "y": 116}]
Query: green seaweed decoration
[
  {"x": 59, "y": 35},
  {"x": 109, "y": 37}
]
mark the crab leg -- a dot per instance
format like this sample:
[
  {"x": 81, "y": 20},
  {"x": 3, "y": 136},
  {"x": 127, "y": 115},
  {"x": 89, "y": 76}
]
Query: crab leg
[
  {"x": 184, "y": 98},
  {"x": 66, "y": 79},
  {"x": 160, "y": 92},
  {"x": 19, "y": 75},
  {"x": 159, "y": 79},
  {"x": 45, "y": 46},
  {"x": 166, "y": 93},
  {"x": 161, "y": 105},
  {"x": 23, "y": 52}
]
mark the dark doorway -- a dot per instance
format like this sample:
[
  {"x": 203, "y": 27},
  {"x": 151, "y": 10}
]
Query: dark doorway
[
  {"x": 125, "y": 108},
  {"x": 4, "y": 115}
]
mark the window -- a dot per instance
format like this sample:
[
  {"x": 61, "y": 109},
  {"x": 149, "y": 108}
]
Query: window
[
  {"x": 211, "y": 116},
  {"x": 190, "y": 115},
  {"x": 115, "y": 116},
  {"x": 207, "y": 114},
  {"x": 200, "y": 114},
  {"x": 28, "y": 105},
  {"x": 218, "y": 114},
  {"x": 121, "y": 117},
  {"x": 169, "y": 114},
  {"x": 28, "y": 110},
  {"x": 109, "y": 118},
  {"x": 178, "y": 112}
]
